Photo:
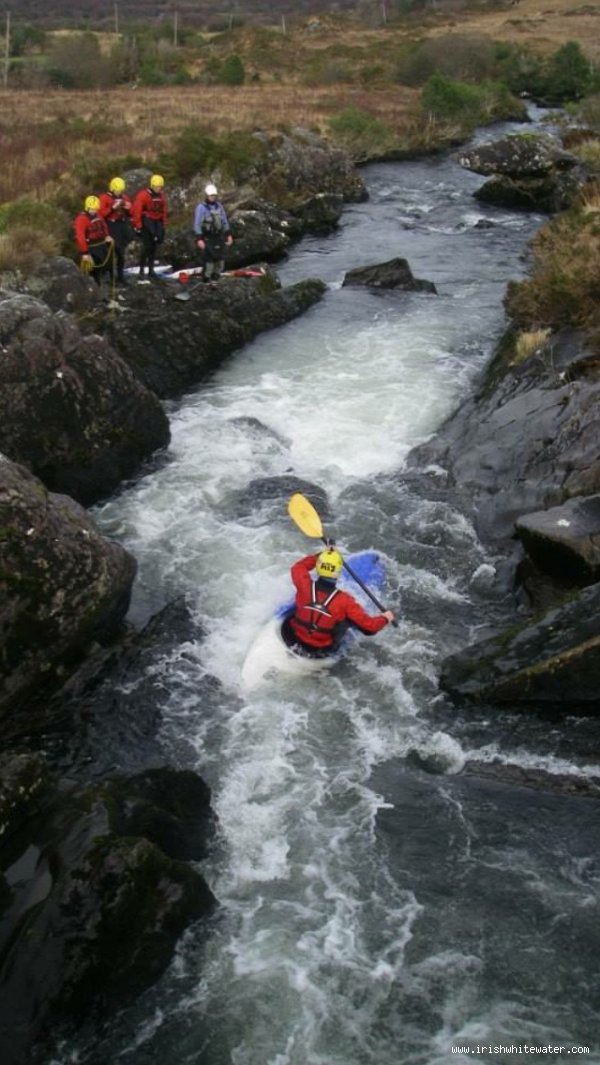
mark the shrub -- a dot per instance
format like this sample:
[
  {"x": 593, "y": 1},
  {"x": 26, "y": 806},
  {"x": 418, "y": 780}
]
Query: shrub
[
  {"x": 456, "y": 56},
  {"x": 32, "y": 215},
  {"x": 23, "y": 247},
  {"x": 232, "y": 71},
  {"x": 563, "y": 286},
  {"x": 446, "y": 99},
  {"x": 360, "y": 132},
  {"x": 569, "y": 76},
  {"x": 454, "y": 101}
]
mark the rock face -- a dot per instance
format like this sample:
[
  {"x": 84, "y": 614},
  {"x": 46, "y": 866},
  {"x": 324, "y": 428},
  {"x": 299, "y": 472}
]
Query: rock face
[
  {"x": 553, "y": 660},
  {"x": 527, "y": 440},
  {"x": 62, "y": 585},
  {"x": 171, "y": 345},
  {"x": 93, "y": 893},
  {"x": 530, "y": 172},
  {"x": 565, "y": 541},
  {"x": 70, "y": 409},
  {"x": 394, "y": 274}
]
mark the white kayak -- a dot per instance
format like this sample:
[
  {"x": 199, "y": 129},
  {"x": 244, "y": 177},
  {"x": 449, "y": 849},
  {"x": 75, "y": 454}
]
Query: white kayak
[{"x": 269, "y": 655}]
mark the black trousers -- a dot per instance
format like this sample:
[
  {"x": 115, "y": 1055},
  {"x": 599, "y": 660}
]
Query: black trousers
[
  {"x": 120, "y": 231},
  {"x": 153, "y": 234}
]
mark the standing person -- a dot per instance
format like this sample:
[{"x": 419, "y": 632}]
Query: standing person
[
  {"x": 115, "y": 209},
  {"x": 323, "y": 611},
  {"x": 213, "y": 232},
  {"x": 149, "y": 220},
  {"x": 93, "y": 240}
]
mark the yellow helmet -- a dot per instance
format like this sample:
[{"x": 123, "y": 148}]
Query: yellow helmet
[
  {"x": 91, "y": 203},
  {"x": 157, "y": 181},
  {"x": 329, "y": 564},
  {"x": 117, "y": 185}
]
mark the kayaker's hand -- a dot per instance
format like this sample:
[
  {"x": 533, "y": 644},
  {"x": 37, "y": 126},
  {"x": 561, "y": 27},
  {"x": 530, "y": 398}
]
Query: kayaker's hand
[{"x": 389, "y": 615}]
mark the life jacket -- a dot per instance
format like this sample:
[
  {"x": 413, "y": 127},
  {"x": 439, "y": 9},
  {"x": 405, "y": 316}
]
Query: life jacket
[
  {"x": 96, "y": 231},
  {"x": 314, "y": 615},
  {"x": 114, "y": 213},
  {"x": 150, "y": 204},
  {"x": 212, "y": 221}
]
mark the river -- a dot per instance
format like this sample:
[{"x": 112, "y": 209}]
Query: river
[{"x": 378, "y": 907}]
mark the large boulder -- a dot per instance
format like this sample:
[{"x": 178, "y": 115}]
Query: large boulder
[
  {"x": 565, "y": 541},
  {"x": 297, "y": 165},
  {"x": 394, "y": 274},
  {"x": 530, "y": 171},
  {"x": 95, "y": 890},
  {"x": 71, "y": 409},
  {"x": 553, "y": 660},
  {"x": 62, "y": 586},
  {"x": 172, "y": 345},
  {"x": 519, "y": 155}
]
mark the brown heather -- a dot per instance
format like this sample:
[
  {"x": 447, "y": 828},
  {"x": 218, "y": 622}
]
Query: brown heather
[{"x": 44, "y": 135}]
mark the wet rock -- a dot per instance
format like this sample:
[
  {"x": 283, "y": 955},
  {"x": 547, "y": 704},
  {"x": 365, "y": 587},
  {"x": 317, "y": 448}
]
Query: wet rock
[
  {"x": 168, "y": 807},
  {"x": 24, "y": 780},
  {"x": 92, "y": 916},
  {"x": 63, "y": 587},
  {"x": 105, "y": 718},
  {"x": 554, "y": 192},
  {"x": 278, "y": 489},
  {"x": 320, "y": 213},
  {"x": 538, "y": 779},
  {"x": 259, "y": 429},
  {"x": 527, "y": 440},
  {"x": 172, "y": 345},
  {"x": 71, "y": 410},
  {"x": 565, "y": 541},
  {"x": 394, "y": 274},
  {"x": 553, "y": 660}
]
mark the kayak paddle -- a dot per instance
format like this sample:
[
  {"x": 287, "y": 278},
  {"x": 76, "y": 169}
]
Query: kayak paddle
[{"x": 302, "y": 512}]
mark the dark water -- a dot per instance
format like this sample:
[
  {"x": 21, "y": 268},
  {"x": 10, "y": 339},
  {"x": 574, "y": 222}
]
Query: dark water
[{"x": 374, "y": 912}]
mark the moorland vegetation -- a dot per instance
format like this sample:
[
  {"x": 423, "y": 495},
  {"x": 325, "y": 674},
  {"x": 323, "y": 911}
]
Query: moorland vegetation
[{"x": 81, "y": 103}]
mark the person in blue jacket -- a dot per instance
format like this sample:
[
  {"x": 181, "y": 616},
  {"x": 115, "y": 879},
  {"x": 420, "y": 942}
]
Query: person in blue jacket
[{"x": 213, "y": 234}]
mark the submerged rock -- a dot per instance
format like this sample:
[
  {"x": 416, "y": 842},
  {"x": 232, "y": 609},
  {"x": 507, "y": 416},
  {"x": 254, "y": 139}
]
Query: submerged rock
[
  {"x": 278, "y": 490},
  {"x": 394, "y": 274}
]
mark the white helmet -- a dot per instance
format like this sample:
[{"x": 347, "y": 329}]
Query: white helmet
[{"x": 211, "y": 190}]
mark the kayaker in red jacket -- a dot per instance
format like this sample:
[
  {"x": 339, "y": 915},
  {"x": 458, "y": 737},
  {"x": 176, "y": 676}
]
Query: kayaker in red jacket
[
  {"x": 323, "y": 611},
  {"x": 149, "y": 220}
]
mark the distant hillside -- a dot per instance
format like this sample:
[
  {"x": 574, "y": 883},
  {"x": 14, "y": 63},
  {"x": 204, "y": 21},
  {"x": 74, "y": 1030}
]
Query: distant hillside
[{"x": 198, "y": 13}]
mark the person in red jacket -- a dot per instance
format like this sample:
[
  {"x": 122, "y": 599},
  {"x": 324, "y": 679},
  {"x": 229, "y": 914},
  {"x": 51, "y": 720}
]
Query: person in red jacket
[
  {"x": 323, "y": 611},
  {"x": 93, "y": 240},
  {"x": 115, "y": 209},
  {"x": 149, "y": 220}
]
